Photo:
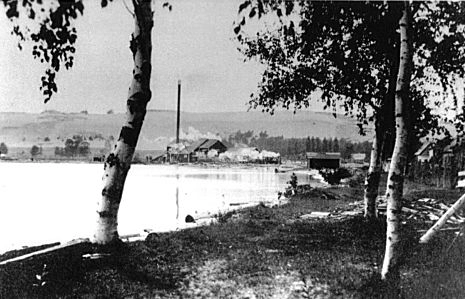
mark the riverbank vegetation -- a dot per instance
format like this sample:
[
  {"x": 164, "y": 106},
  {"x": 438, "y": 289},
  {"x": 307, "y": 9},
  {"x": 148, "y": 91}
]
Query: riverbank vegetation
[{"x": 261, "y": 252}]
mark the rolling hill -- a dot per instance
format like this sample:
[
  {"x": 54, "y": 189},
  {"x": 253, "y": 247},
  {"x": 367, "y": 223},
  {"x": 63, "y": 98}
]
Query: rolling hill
[{"x": 26, "y": 129}]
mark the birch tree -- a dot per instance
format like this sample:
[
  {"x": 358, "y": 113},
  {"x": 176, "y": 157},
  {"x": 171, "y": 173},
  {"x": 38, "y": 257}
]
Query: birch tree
[
  {"x": 349, "y": 51},
  {"x": 346, "y": 51},
  {"x": 118, "y": 162},
  {"x": 54, "y": 38},
  {"x": 394, "y": 192}
]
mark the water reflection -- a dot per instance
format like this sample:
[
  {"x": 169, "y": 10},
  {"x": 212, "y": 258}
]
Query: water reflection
[
  {"x": 60, "y": 200},
  {"x": 198, "y": 192}
]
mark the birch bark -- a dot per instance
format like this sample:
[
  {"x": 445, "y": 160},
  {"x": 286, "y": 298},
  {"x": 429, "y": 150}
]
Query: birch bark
[
  {"x": 443, "y": 220},
  {"x": 394, "y": 192},
  {"x": 118, "y": 162},
  {"x": 384, "y": 119},
  {"x": 373, "y": 175}
]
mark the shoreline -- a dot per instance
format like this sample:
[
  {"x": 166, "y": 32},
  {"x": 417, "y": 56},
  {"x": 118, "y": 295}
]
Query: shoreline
[
  {"x": 162, "y": 197},
  {"x": 257, "y": 252}
]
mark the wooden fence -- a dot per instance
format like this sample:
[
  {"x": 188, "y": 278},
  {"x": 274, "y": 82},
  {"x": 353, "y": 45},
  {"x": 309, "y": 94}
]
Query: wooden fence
[{"x": 441, "y": 173}]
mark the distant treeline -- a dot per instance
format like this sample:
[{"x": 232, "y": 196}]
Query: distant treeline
[
  {"x": 77, "y": 146},
  {"x": 295, "y": 148}
]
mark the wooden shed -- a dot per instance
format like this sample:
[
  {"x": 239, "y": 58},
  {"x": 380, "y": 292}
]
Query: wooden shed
[
  {"x": 323, "y": 160},
  {"x": 204, "y": 146}
]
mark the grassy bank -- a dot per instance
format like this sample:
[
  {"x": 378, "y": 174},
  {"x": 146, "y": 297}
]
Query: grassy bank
[{"x": 256, "y": 253}]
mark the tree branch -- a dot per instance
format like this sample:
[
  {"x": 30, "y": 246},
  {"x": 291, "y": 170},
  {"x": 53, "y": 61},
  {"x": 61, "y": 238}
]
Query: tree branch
[
  {"x": 135, "y": 3},
  {"x": 127, "y": 8}
]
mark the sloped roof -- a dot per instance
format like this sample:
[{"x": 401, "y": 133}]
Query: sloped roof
[
  {"x": 331, "y": 156},
  {"x": 209, "y": 143},
  {"x": 196, "y": 145},
  {"x": 423, "y": 148},
  {"x": 203, "y": 143},
  {"x": 358, "y": 156}
]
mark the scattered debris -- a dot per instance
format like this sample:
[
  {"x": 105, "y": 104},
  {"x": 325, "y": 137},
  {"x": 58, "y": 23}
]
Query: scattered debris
[
  {"x": 351, "y": 213},
  {"x": 95, "y": 256},
  {"x": 448, "y": 215},
  {"x": 316, "y": 215},
  {"x": 132, "y": 237},
  {"x": 424, "y": 209}
]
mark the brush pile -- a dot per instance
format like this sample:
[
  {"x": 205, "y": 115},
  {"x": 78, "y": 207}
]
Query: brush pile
[{"x": 428, "y": 210}]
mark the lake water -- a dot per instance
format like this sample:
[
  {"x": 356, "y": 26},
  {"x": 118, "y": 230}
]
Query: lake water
[{"x": 50, "y": 202}]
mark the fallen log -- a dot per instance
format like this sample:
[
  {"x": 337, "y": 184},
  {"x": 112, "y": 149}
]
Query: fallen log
[
  {"x": 409, "y": 210},
  {"x": 315, "y": 215},
  {"x": 442, "y": 221},
  {"x": 95, "y": 256},
  {"x": 351, "y": 213},
  {"x": 43, "y": 251},
  {"x": 132, "y": 237},
  {"x": 442, "y": 229}
]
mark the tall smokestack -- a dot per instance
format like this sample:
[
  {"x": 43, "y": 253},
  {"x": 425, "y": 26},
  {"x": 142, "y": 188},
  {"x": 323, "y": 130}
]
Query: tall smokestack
[{"x": 178, "y": 120}]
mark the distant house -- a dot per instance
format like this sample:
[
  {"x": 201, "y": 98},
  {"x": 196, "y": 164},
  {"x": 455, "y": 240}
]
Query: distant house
[
  {"x": 323, "y": 160},
  {"x": 426, "y": 152},
  {"x": 358, "y": 157},
  {"x": 199, "y": 150},
  {"x": 179, "y": 153},
  {"x": 193, "y": 148},
  {"x": 159, "y": 159},
  {"x": 209, "y": 145}
]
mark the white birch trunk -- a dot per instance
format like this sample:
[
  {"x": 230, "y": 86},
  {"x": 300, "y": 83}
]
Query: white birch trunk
[
  {"x": 118, "y": 162},
  {"x": 443, "y": 220},
  {"x": 394, "y": 192},
  {"x": 384, "y": 118},
  {"x": 373, "y": 175}
]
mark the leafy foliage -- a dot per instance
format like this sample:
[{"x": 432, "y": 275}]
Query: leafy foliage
[
  {"x": 35, "y": 150},
  {"x": 325, "y": 52},
  {"x": 54, "y": 36},
  {"x": 348, "y": 51},
  {"x": 334, "y": 176},
  {"x": 76, "y": 146}
]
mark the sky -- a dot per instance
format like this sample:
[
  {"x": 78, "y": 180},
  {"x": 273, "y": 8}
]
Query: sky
[{"x": 192, "y": 43}]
